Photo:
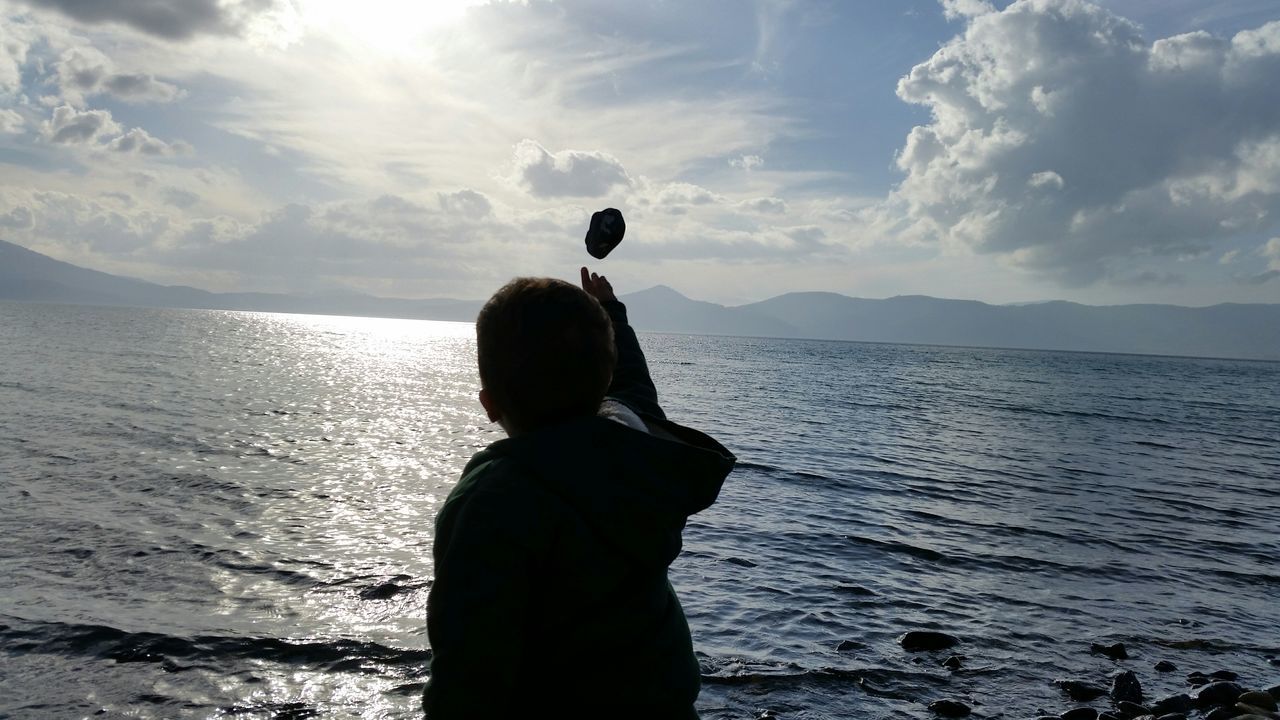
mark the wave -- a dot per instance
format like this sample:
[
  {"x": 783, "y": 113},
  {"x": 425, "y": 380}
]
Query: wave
[{"x": 109, "y": 643}]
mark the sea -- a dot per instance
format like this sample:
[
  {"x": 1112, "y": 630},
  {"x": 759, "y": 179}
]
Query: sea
[{"x": 209, "y": 514}]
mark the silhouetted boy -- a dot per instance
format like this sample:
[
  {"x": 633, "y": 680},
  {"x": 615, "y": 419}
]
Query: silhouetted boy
[{"x": 551, "y": 595}]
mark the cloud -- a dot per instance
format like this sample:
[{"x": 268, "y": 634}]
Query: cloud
[
  {"x": 569, "y": 173},
  {"x": 467, "y": 203},
  {"x": 69, "y": 126},
  {"x": 955, "y": 9},
  {"x": 1063, "y": 142},
  {"x": 1270, "y": 251},
  {"x": 167, "y": 19},
  {"x": 85, "y": 71},
  {"x": 19, "y": 218},
  {"x": 765, "y": 205},
  {"x": 72, "y": 221},
  {"x": 180, "y": 198},
  {"x": 11, "y": 122},
  {"x": 14, "y": 46},
  {"x": 96, "y": 128},
  {"x": 747, "y": 162},
  {"x": 141, "y": 142},
  {"x": 679, "y": 193}
]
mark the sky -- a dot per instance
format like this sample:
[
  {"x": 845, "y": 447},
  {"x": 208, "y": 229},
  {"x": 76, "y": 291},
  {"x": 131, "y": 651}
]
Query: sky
[{"x": 1121, "y": 151}]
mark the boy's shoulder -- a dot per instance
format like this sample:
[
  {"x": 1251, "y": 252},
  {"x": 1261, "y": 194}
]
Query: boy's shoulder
[{"x": 488, "y": 471}]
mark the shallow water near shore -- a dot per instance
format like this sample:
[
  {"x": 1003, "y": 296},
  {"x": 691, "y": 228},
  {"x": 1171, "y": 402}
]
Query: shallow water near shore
[{"x": 222, "y": 514}]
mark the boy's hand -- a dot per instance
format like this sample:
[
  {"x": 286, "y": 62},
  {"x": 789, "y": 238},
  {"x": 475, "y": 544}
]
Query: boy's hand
[{"x": 597, "y": 286}]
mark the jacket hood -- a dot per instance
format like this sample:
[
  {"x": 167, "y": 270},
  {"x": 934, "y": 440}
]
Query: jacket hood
[{"x": 634, "y": 489}]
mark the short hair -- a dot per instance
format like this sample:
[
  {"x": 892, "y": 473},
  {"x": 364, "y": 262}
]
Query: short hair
[{"x": 545, "y": 351}]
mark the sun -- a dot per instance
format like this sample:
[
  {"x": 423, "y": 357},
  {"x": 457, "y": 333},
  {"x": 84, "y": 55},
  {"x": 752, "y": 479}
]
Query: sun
[{"x": 391, "y": 26}]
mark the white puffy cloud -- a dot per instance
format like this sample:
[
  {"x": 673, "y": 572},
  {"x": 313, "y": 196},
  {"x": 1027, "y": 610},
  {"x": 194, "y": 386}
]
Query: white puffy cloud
[
  {"x": 73, "y": 221},
  {"x": 141, "y": 142},
  {"x": 569, "y": 173},
  {"x": 954, "y": 9},
  {"x": 467, "y": 203},
  {"x": 747, "y": 162},
  {"x": 1064, "y": 142},
  {"x": 680, "y": 193},
  {"x": 97, "y": 129},
  {"x": 168, "y": 19},
  {"x": 69, "y": 126}
]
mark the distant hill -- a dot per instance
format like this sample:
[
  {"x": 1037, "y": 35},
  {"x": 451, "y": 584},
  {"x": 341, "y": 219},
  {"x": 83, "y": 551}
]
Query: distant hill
[{"x": 1228, "y": 330}]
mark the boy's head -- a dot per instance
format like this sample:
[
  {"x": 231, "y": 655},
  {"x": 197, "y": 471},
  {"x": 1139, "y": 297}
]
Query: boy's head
[{"x": 545, "y": 351}]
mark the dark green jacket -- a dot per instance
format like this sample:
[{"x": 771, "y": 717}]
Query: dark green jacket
[{"x": 551, "y": 558}]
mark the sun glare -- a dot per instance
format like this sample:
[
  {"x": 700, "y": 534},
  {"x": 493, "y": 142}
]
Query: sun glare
[{"x": 392, "y": 26}]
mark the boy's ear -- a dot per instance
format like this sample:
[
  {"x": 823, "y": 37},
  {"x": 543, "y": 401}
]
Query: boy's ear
[{"x": 486, "y": 401}]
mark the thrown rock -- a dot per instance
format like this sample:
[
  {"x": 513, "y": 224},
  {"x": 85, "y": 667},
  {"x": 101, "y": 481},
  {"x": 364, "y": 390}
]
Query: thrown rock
[
  {"x": 1125, "y": 686},
  {"x": 1115, "y": 652},
  {"x": 1080, "y": 713},
  {"x": 1079, "y": 690},
  {"x": 1179, "y": 703},
  {"x": 949, "y": 708},
  {"x": 1165, "y": 666},
  {"x": 917, "y": 640},
  {"x": 955, "y": 662},
  {"x": 1220, "y": 693},
  {"x": 1258, "y": 699}
]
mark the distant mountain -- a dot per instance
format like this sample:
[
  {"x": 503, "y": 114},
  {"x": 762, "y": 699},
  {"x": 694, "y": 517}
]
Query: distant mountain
[
  {"x": 29, "y": 276},
  {"x": 1228, "y": 330}
]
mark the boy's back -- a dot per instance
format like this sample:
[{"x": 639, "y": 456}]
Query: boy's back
[{"x": 551, "y": 559}]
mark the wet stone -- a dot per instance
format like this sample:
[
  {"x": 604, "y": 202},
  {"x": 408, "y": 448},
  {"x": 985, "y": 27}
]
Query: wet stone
[
  {"x": 1173, "y": 716},
  {"x": 1080, "y": 713},
  {"x": 918, "y": 640},
  {"x": 1172, "y": 704},
  {"x": 1165, "y": 666},
  {"x": 1258, "y": 699},
  {"x": 1125, "y": 686},
  {"x": 1221, "y": 714},
  {"x": 955, "y": 662},
  {"x": 1131, "y": 709},
  {"x": 1079, "y": 690},
  {"x": 1224, "y": 675},
  {"x": 949, "y": 708},
  {"x": 1115, "y": 651},
  {"x": 1108, "y": 716},
  {"x": 1218, "y": 693},
  {"x": 848, "y": 645}
]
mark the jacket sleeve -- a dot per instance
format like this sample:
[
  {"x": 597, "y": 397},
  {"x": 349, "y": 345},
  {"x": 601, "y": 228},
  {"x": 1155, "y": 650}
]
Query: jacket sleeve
[
  {"x": 631, "y": 382},
  {"x": 478, "y": 608}
]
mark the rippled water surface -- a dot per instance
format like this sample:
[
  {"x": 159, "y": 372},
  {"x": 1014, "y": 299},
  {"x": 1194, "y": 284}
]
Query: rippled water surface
[{"x": 211, "y": 514}]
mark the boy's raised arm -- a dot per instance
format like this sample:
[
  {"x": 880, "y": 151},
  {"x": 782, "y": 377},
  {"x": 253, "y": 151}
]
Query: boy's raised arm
[{"x": 631, "y": 383}]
